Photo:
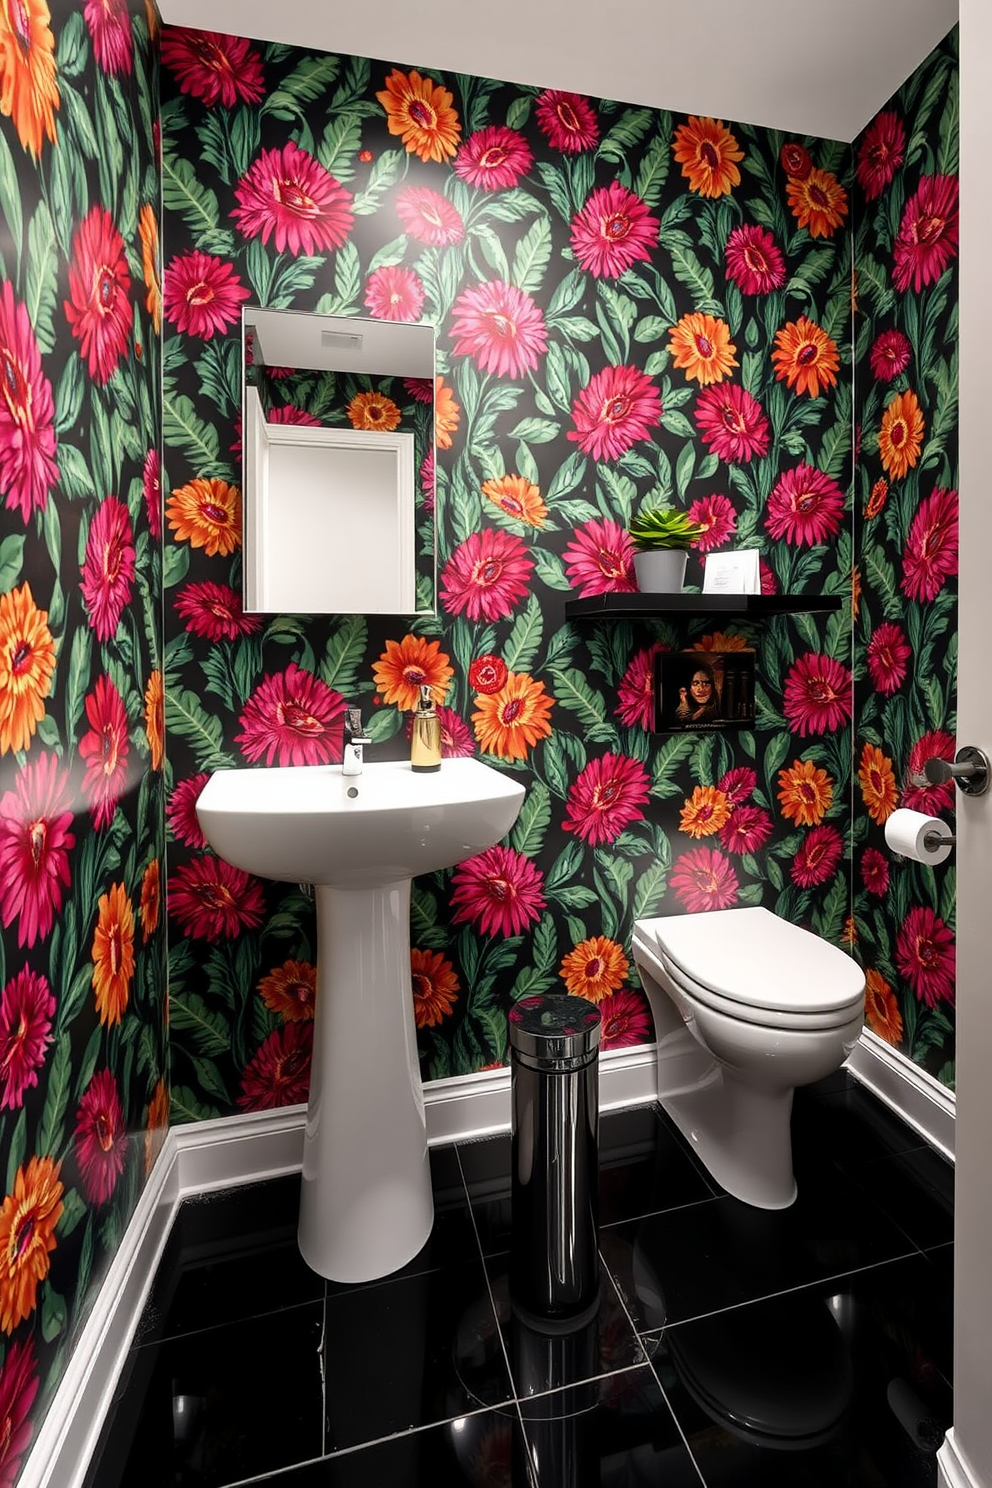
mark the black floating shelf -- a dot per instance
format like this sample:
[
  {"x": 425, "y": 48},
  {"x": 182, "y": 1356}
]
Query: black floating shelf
[{"x": 648, "y": 606}]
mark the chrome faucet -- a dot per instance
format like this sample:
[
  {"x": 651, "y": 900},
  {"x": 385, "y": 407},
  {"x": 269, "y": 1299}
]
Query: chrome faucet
[{"x": 354, "y": 756}]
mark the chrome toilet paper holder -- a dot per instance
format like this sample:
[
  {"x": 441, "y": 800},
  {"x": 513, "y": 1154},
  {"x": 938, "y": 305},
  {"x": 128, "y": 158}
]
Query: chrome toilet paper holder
[{"x": 970, "y": 771}]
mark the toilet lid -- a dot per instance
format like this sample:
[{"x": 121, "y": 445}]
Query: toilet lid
[{"x": 752, "y": 957}]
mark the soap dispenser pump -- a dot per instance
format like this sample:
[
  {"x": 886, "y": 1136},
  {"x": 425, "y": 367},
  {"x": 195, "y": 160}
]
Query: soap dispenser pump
[{"x": 425, "y": 746}]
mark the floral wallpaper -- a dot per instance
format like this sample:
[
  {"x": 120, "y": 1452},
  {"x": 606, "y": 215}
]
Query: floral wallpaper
[
  {"x": 906, "y": 507},
  {"x": 83, "y": 1094}
]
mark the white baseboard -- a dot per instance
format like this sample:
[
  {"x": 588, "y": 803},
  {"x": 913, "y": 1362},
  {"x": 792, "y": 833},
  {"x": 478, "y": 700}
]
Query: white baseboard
[
  {"x": 952, "y": 1469},
  {"x": 920, "y": 1100}
]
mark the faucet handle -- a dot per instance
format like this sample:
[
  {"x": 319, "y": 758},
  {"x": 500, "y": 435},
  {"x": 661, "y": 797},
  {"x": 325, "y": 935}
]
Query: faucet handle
[{"x": 353, "y": 724}]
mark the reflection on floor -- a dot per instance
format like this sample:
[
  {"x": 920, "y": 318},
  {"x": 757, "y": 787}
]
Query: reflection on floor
[{"x": 809, "y": 1348}]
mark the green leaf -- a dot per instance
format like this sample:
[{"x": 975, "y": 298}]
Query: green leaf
[
  {"x": 59, "y": 1079},
  {"x": 175, "y": 564},
  {"x": 530, "y": 258},
  {"x": 186, "y": 716},
  {"x": 41, "y": 277},
  {"x": 11, "y": 561},
  {"x": 185, "y": 1105},
  {"x": 525, "y": 637},
  {"x": 651, "y": 884},
  {"x": 535, "y": 431},
  {"x": 54, "y": 1315},
  {"x": 572, "y": 691},
  {"x": 184, "y": 193},
  {"x": 17, "y": 1151},
  {"x": 653, "y": 170},
  {"x": 530, "y": 827},
  {"x": 184, "y": 430},
  {"x": 696, "y": 277},
  {"x": 385, "y": 173},
  {"x": 344, "y": 655}
]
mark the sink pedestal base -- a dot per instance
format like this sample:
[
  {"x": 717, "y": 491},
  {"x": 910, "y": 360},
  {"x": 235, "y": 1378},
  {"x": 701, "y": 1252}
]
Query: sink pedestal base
[{"x": 366, "y": 1205}]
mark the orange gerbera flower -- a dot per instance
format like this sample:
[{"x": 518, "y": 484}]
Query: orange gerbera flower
[
  {"x": 447, "y": 413},
  {"x": 900, "y": 438},
  {"x": 518, "y": 497},
  {"x": 718, "y": 640},
  {"x": 27, "y": 1237},
  {"x": 512, "y": 720},
  {"x": 855, "y": 591},
  {"x": 151, "y": 900},
  {"x": 876, "y": 499},
  {"x": 435, "y": 987},
  {"x": 373, "y": 411},
  {"x": 157, "y": 1125},
  {"x": 818, "y": 202},
  {"x": 805, "y": 357},
  {"x": 878, "y": 784},
  {"x": 849, "y": 934},
  {"x": 407, "y": 665},
  {"x": 207, "y": 515},
  {"x": 27, "y": 661},
  {"x": 881, "y": 1008},
  {"x": 707, "y": 153},
  {"x": 701, "y": 347},
  {"x": 705, "y": 812},
  {"x": 155, "y": 719},
  {"x": 420, "y": 112},
  {"x": 594, "y": 969},
  {"x": 113, "y": 954},
  {"x": 148, "y": 233},
  {"x": 29, "y": 93},
  {"x": 290, "y": 990},
  {"x": 806, "y": 793}
]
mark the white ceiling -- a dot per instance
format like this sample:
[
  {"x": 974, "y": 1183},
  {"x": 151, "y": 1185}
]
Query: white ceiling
[{"x": 820, "y": 67}]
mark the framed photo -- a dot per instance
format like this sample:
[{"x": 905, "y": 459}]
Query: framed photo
[{"x": 697, "y": 691}]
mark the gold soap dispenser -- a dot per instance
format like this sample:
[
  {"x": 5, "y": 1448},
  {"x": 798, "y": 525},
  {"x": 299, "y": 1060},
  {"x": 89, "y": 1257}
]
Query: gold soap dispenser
[{"x": 425, "y": 746}]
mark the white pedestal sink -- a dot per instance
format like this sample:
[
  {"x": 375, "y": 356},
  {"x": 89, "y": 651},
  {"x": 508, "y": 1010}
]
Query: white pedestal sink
[{"x": 366, "y": 1205}]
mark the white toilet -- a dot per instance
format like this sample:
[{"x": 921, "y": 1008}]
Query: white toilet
[{"x": 746, "y": 1007}]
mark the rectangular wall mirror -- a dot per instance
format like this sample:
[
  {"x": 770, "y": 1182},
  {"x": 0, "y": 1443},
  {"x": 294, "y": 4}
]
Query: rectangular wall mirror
[{"x": 338, "y": 417}]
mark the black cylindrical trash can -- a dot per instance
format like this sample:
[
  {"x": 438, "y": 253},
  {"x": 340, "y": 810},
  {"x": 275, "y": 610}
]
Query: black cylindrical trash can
[{"x": 554, "y": 1265}]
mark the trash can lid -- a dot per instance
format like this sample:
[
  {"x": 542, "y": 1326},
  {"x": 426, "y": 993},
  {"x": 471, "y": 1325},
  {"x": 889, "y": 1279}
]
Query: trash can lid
[{"x": 554, "y": 1027}]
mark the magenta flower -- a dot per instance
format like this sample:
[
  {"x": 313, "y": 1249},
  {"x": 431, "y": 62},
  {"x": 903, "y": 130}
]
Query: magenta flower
[
  {"x": 930, "y": 556},
  {"x": 288, "y": 415},
  {"x": 429, "y": 217},
  {"x": 817, "y": 695},
  {"x": 738, "y": 784},
  {"x": 210, "y": 900},
  {"x": 457, "y": 739},
  {"x": 888, "y": 657},
  {"x": 567, "y": 121},
  {"x": 151, "y": 486},
  {"x": 613, "y": 231},
  {"x": 805, "y": 506},
  {"x": 202, "y": 295},
  {"x": 27, "y": 1008},
  {"x": 486, "y": 575},
  {"x": 615, "y": 409},
  {"x": 18, "y": 1387},
  {"x": 746, "y": 829},
  {"x": 493, "y": 158},
  {"x": 819, "y": 854},
  {"x": 635, "y": 693},
  {"x": 606, "y": 797},
  {"x": 731, "y": 422},
  {"x": 930, "y": 799},
  {"x": 108, "y": 567},
  {"x": 109, "y": 24},
  {"x": 394, "y": 293},
  {"x": 214, "y": 612},
  {"x": 716, "y": 515},
  {"x": 99, "y": 305},
  {"x": 501, "y": 327},
  {"x": 754, "y": 261},
  {"x": 292, "y": 718},
  {"x": 104, "y": 748},
  {"x": 28, "y": 469},
  {"x": 287, "y": 195},
  {"x": 278, "y": 1073},
  {"x": 703, "y": 879},
  {"x": 925, "y": 956},
  {"x": 35, "y": 842},
  {"x": 100, "y": 1138},
  {"x": 181, "y": 810},
  {"x": 217, "y": 69},
  {"x": 499, "y": 891},
  {"x": 600, "y": 559},
  {"x": 625, "y": 1019},
  {"x": 880, "y": 153},
  {"x": 769, "y": 583},
  {"x": 928, "y": 234},
  {"x": 875, "y": 872},
  {"x": 890, "y": 354}
]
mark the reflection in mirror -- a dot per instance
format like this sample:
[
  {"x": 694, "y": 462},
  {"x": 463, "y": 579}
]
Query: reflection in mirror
[{"x": 338, "y": 417}]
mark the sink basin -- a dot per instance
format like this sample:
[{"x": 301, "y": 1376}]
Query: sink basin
[{"x": 366, "y": 1206}]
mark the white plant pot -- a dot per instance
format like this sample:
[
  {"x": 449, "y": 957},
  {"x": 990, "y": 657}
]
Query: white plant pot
[{"x": 661, "y": 570}]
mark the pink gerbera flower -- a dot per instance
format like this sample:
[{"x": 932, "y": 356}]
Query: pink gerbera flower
[
  {"x": 769, "y": 583},
  {"x": 99, "y": 305},
  {"x": 18, "y": 1387},
  {"x": 499, "y": 891},
  {"x": 202, "y": 295},
  {"x": 746, "y": 829},
  {"x": 930, "y": 556},
  {"x": 875, "y": 872},
  {"x": 754, "y": 261},
  {"x": 567, "y": 121},
  {"x": 925, "y": 956},
  {"x": 181, "y": 810},
  {"x": 210, "y": 900},
  {"x": 429, "y": 217},
  {"x": 501, "y": 327},
  {"x": 737, "y": 784},
  {"x": 292, "y": 718},
  {"x": 151, "y": 485},
  {"x": 880, "y": 153},
  {"x": 888, "y": 657},
  {"x": 703, "y": 879},
  {"x": 27, "y": 1008},
  {"x": 104, "y": 748},
  {"x": 394, "y": 293},
  {"x": 930, "y": 799},
  {"x": 890, "y": 354},
  {"x": 805, "y": 506},
  {"x": 278, "y": 1073},
  {"x": 35, "y": 842},
  {"x": 108, "y": 567},
  {"x": 109, "y": 24},
  {"x": 289, "y": 196},
  {"x": 494, "y": 158},
  {"x": 615, "y": 409},
  {"x": 613, "y": 231},
  {"x": 625, "y": 1019},
  {"x": 288, "y": 415},
  {"x": 28, "y": 470},
  {"x": 600, "y": 559},
  {"x": 606, "y": 797},
  {"x": 817, "y": 695},
  {"x": 636, "y": 691},
  {"x": 457, "y": 739},
  {"x": 486, "y": 575},
  {"x": 100, "y": 1138},
  {"x": 928, "y": 235},
  {"x": 218, "y": 69},
  {"x": 214, "y": 611},
  {"x": 716, "y": 515},
  {"x": 819, "y": 854},
  {"x": 731, "y": 422}
]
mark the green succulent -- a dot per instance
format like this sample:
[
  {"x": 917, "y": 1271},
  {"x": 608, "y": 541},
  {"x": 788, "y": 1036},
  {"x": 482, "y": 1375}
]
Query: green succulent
[{"x": 663, "y": 527}]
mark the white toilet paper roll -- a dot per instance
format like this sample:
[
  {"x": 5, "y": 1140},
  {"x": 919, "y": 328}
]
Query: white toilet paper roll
[{"x": 906, "y": 833}]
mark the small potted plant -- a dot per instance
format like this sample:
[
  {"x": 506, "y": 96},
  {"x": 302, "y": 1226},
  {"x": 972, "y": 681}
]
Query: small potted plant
[{"x": 662, "y": 536}]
